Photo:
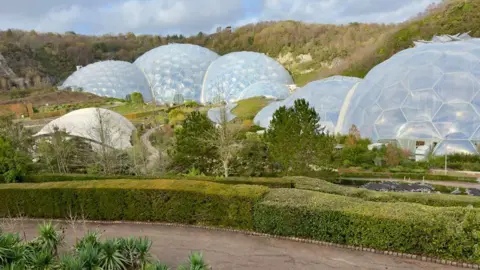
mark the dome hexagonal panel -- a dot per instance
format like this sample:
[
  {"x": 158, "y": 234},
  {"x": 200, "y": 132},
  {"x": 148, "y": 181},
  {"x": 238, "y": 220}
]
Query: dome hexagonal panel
[
  {"x": 230, "y": 74},
  {"x": 456, "y": 87},
  {"x": 392, "y": 97},
  {"x": 388, "y": 124},
  {"x": 418, "y": 130},
  {"x": 265, "y": 115},
  {"x": 456, "y": 121},
  {"x": 423, "y": 58},
  {"x": 424, "y": 77},
  {"x": 176, "y": 71},
  {"x": 455, "y": 147},
  {"x": 325, "y": 96},
  {"x": 452, "y": 61},
  {"x": 421, "y": 105},
  {"x": 115, "y": 79}
]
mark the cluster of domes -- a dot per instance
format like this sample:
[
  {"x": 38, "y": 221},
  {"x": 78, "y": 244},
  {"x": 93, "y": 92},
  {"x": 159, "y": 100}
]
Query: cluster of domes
[{"x": 176, "y": 73}]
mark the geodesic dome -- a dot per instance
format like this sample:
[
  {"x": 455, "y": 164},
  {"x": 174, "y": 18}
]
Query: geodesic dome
[
  {"x": 424, "y": 95},
  {"x": 215, "y": 114},
  {"x": 228, "y": 76},
  {"x": 327, "y": 96},
  {"x": 97, "y": 125},
  {"x": 265, "y": 89},
  {"x": 176, "y": 71},
  {"x": 115, "y": 79}
]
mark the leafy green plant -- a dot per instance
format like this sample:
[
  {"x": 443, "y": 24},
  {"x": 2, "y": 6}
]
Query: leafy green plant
[
  {"x": 111, "y": 257},
  {"x": 195, "y": 262}
]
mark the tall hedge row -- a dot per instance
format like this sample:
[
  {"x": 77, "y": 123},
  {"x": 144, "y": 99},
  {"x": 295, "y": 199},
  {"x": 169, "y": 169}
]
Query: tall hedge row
[
  {"x": 450, "y": 233},
  {"x": 188, "y": 202},
  {"x": 433, "y": 199},
  {"x": 262, "y": 181}
]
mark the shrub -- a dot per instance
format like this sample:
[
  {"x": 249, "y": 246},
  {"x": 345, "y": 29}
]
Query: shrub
[
  {"x": 269, "y": 182},
  {"x": 443, "y": 200},
  {"x": 43, "y": 115},
  {"x": 411, "y": 176},
  {"x": 136, "y": 98},
  {"x": 187, "y": 202},
  {"x": 449, "y": 233}
]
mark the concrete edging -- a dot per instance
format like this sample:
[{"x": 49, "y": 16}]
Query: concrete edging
[{"x": 295, "y": 239}]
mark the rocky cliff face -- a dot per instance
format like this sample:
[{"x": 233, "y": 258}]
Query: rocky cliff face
[{"x": 5, "y": 71}]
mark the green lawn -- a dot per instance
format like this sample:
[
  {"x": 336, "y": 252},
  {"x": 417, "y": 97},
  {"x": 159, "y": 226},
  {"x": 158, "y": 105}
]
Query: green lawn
[
  {"x": 247, "y": 109},
  {"x": 133, "y": 108}
]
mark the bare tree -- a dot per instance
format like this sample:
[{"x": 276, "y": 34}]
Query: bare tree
[{"x": 225, "y": 140}]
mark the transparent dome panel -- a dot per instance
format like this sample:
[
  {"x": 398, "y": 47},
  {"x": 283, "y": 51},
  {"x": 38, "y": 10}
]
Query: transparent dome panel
[
  {"x": 423, "y": 58},
  {"x": 424, "y": 77},
  {"x": 388, "y": 124},
  {"x": 456, "y": 121},
  {"x": 176, "y": 71},
  {"x": 456, "y": 87},
  {"x": 418, "y": 130},
  {"x": 455, "y": 147},
  {"x": 392, "y": 97},
  {"x": 220, "y": 114},
  {"x": 115, "y": 79},
  {"x": 456, "y": 62},
  {"x": 421, "y": 105},
  {"x": 231, "y": 74}
]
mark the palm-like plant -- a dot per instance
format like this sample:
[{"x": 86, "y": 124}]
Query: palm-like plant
[
  {"x": 8, "y": 241},
  {"x": 91, "y": 237},
  {"x": 41, "y": 260},
  {"x": 89, "y": 256},
  {"x": 111, "y": 257},
  {"x": 136, "y": 251},
  {"x": 156, "y": 266},
  {"x": 69, "y": 262},
  {"x": 49, "y": 238},
  {"x": 195, "y": 262}
]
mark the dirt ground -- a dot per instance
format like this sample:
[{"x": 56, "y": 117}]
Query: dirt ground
[{"x": 229, "y": 250}]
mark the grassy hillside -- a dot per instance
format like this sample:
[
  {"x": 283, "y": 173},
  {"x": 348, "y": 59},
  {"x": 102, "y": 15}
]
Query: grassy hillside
[
  {"x": 309, "y": 51},
  {"x": 450, "y": 17}
]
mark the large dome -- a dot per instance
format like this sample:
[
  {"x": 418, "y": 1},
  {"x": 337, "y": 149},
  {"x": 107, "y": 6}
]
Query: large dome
[
  {"x": 109, "y": 78},
  {"x": 327, "y": 96},
  {"x": 176, "y": 71},
  {"x": 424, "y": 95},
  {"x": 94, "y": 124},
  {"x": 265, "y": 89},
  {"x": 228, "y": 76}
]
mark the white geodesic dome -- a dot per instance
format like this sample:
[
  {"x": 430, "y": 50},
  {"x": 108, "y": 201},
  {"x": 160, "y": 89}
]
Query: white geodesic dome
[
  {"x": 115, "y": 79},
  {"x": 427, "y": 94},
  {"x": 228, "y": 76},
  {"x": 97, "y": 125},
  {"x": 176, "y": 71},
  {"x": 266, "y": 89},
  {"x": 326, "y": 96}
]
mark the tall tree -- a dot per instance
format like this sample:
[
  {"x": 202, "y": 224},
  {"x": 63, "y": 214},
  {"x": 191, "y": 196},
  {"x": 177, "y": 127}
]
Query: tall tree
[
  {"x": 296, "y": 140},
  {"x": 15, "y": 144},
  {"x": 190, "y": 150}
]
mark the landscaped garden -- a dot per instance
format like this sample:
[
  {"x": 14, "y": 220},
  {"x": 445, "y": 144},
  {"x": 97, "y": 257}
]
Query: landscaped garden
[{"x": 289, "y": 181}]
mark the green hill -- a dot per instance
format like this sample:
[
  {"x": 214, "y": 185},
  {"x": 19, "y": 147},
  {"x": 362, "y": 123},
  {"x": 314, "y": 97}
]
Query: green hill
[{"x": 308, "y": 51}]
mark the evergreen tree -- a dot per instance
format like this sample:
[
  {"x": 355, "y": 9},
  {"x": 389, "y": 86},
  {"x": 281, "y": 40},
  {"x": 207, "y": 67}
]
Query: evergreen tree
[
  {"x": 296, "y": 140},
  {"x": 190, "y": 149}
]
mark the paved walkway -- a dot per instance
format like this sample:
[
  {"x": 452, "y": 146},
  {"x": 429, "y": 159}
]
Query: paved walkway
[
  {"x": 229, "y": 250},
  {"x": 154, "y": 154},
  {"x": 440, "y": 183}
]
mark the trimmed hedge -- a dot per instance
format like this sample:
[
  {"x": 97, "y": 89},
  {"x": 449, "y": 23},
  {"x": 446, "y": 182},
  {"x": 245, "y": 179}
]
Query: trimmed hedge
[
  {"x": 412, "y": 176},
  {"x": 187, "y": 202},
  {"x": 449, "y": 233},
  {"x": 433, "y": 199},
  {"x": 269, "y": 182}
]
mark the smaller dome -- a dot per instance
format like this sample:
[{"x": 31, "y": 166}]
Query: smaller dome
[
  {"x": 228, "y": 76},
  {"x": 115, "y": 79},
  {"x": 265, "y": 89},
  {"x": 215, "y": 114},
  {"x": 93, "y": 124},
  {"x": 326, "y": 96}
]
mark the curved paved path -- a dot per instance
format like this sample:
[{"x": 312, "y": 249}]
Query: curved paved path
[{"x": 230, "y": 250}]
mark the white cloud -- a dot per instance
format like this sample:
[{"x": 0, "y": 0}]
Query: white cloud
[{"x": 192, "y": 16}]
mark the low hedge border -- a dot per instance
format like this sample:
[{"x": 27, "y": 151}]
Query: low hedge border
[
  {"x": 268, "y": 182},
  {"x": 189, "y": 202},
  {"x": 413, "y": 176},
  {"x": 295, "y": 239},
  {"x": 449, "y": 233},
  {"x": 439, "y": 200}
]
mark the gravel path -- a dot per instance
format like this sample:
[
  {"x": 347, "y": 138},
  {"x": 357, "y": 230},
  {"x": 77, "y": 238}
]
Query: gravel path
[
  {"x": 154, "y": 153},
  {"x": 230, "y": 250}
]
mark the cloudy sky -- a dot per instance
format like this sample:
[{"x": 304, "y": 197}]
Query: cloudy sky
[{"x": 191, "y": 16}]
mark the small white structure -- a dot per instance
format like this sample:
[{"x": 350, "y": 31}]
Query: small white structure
[{"x": 97, "y": 125}]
